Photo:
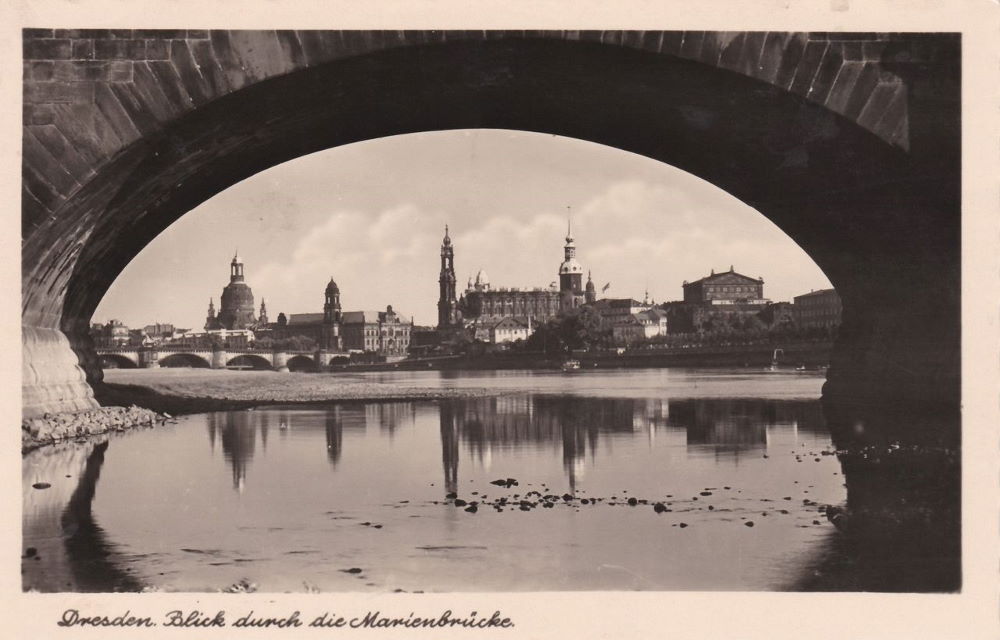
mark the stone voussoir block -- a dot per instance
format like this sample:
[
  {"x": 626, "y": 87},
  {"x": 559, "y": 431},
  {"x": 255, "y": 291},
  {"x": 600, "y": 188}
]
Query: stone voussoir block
[
  {"x": 77, "y": 70},
  {"x": 39, "y": 70},
  {"x": 59, "y": 92},
  {"x": 48, "y": 49},
  {"x": 83, "y": 49},
  {"x": 119, "y": 49},
  {"x": 37, "y": 33}
]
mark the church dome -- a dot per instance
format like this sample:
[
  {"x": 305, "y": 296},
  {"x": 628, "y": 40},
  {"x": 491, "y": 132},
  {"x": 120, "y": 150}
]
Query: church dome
[
  {"x": 482, "y": 279},
  {"x": 332, "y": 287}
]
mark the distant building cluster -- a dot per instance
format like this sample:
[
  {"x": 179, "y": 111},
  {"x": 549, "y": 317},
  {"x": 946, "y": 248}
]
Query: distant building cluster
[
  {"x": 484, "y": 313},
  {"x": 818, "y": 309},
  {"x": 507, "y": 314},
  {"x": 383, "y": 333}
]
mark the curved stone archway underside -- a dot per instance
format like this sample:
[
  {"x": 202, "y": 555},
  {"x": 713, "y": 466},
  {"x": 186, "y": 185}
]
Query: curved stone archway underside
[
  {"x": 184, "y": 360},
  {"x": 878, "y": 211}
]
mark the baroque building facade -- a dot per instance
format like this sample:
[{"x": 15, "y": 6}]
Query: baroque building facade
[
  {"x": 503, "y": 314},
  {"x": 236, "y": 307},
  {"x": 724, "y": 288},
  {"x": 384, "y": 333}
]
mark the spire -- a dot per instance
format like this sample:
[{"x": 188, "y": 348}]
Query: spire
[
  {"x": 569, "y": 226},
  {"x": 447, "y": 238}
]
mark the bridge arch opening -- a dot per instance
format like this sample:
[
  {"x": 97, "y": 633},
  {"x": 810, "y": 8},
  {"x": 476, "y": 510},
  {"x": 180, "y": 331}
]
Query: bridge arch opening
[
  {"x": 844, "y": 195},
  {"x": 184, "y": 360},
  {"x": 249, "y": 361},
  {"x": 301, "y": 363},
  {"x": 116, "y": 361}
]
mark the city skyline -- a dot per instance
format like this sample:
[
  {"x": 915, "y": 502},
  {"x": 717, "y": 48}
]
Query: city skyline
[{"x": 372, "y": 215}]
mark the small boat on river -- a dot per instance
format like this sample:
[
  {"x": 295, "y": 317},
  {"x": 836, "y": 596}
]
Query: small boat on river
[{"x": 570, "y": 366}]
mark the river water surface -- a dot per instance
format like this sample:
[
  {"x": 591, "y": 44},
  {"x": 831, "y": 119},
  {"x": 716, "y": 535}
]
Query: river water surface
[{"x": 355, "y": 496}]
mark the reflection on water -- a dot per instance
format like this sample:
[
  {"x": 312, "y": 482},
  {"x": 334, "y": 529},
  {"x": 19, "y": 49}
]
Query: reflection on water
[
  {"x": 491, "y": 426},
  {"x": 71, "y": 552},
  {"x": 258, "y": 498}
]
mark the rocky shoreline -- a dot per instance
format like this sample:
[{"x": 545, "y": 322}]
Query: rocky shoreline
[{"x": 53, "y": 428}]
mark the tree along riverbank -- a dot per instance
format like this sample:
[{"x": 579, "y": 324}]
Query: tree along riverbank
[{"x": 811, "y": 355}]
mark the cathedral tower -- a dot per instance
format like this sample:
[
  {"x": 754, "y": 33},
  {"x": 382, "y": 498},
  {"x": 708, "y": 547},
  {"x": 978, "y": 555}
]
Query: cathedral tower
[
  {"x": 570, "y": 276},
  {"x": 331, "y": 317},
  {"x": 447, "y": 302}
]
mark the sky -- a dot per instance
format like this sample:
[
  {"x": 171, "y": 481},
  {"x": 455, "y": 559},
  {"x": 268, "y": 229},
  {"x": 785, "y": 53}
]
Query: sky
[{"x": 371, "y": 215}]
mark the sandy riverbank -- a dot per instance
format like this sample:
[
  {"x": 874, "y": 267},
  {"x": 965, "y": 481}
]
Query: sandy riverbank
[{"x": 195, "y": 390}]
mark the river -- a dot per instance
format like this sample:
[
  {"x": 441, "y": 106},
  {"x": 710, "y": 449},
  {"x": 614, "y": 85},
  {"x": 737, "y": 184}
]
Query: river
[{"x": 354, "y": 496}]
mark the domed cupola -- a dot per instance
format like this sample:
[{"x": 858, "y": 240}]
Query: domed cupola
[{"x": 482, "y": 280}]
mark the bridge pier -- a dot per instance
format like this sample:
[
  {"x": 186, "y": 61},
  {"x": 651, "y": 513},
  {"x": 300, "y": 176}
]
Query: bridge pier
[
  {"x": 280, "y": 361},
  {"x": 52, "y": 380},
  {"x": 219, "y": 359},
  {"x": 322, "y": 358},
  {"x": 149, "y": 358}
]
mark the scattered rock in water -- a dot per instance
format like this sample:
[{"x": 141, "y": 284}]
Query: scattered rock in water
[
  {"x": 41, "y": 485},
  {"x": 351, "y": 570},
  {"x": 243, "y": 586},
  {"x": 787, "y": 498},
  {"x": 816, "y": 522},
  {"x": 705, "y": 493},
  {"x": 659, "y": 507},
  {"x": 584, "y": 501},
  {"x": 451, "y": 496},
  {"x": 376, "y": 526},
  {"x": 471, "y": 508},
  {"x": 30, "y": 552},
  {"x": 748, "y": 523},
  {"x": 682, "y": 525},
  {"x": 460, "y": 503},
  {"x": 784, "y": 511},
  {"x": 632, "y": 502},
  {"x": 711, "y": 508},
  {"x": 567, "y": 497}
]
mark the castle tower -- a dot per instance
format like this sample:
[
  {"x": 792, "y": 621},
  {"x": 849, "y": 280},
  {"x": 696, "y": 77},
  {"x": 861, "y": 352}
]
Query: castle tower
[
  {"x": 236, "y": 308},
  {"x": 331, "y": 317},
  {"x": 590, "y": 294},
  {"x": 570, "y": 276},
  {"x": 447, "y": 302},
  {"x": 262, "y": 317}
]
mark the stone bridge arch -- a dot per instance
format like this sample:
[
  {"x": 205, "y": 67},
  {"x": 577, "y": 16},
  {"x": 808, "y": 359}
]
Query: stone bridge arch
[
  {"x": 301, "y": 362},
  {"x": 183, "y": 359},
  {"x": 118, "y": 361},
  {"x": 251, "y": 360},
  {"x": 848, "y": 142}
]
